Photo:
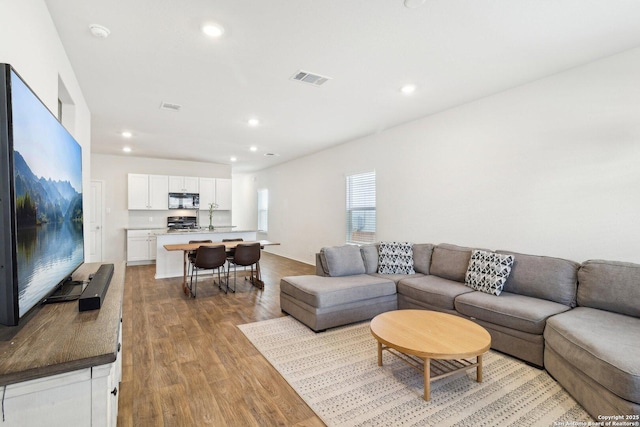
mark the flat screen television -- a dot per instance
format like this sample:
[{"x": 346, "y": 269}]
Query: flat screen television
[{"x": 41, "y": 217}]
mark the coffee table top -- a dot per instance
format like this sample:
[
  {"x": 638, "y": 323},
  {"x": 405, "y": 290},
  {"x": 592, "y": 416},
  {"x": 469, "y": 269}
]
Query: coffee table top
[{"x": 430, "y": 334}]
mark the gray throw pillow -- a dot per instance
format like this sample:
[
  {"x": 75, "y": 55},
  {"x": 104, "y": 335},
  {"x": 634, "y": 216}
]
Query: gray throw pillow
[
  {"x": 343, "y": 260},
  {"x": 488, "y": 271}
]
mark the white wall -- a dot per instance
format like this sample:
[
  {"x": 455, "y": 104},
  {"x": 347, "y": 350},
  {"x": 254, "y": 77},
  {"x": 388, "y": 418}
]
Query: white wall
[
  {"x": 113, "y": 170},
  {"x": 29, "y": 42},
  {"x": 547, "y": 168}
]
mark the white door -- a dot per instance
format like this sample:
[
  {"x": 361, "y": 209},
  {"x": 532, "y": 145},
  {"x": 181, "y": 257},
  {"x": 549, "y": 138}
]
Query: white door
[{"x": 95, "y": 222}]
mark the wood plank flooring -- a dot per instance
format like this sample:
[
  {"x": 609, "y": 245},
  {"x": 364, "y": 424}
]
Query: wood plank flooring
[{"x": 185, "y": 363}]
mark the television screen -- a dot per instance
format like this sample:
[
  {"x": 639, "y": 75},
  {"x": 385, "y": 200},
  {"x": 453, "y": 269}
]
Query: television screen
[{"x": 47, "y": 217}]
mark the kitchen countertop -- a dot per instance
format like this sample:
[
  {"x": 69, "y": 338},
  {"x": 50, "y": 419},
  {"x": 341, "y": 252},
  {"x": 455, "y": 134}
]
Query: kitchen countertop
[{"x": 217, "y": 229}]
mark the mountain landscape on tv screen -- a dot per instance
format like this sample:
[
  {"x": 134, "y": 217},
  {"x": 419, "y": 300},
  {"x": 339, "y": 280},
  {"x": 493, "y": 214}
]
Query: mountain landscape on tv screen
[{"x": 40, "y": 200}]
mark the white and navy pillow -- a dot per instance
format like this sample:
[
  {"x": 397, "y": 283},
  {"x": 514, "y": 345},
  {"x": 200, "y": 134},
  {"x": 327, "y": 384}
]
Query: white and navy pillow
[
  {"x": 395, "y": 258},
  {"x": 488, "y": 271}
]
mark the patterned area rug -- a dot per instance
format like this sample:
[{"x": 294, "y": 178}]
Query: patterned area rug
[{"x": 337, "y": 375}]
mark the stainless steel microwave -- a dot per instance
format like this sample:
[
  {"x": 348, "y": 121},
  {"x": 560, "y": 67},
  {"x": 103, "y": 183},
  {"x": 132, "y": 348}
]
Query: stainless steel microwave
[{"x": 184, "y": 201}]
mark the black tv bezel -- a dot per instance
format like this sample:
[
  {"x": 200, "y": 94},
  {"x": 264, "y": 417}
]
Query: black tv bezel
[
  {"x": 9, "y": 294},
  {"x": 9, "y": 310}
]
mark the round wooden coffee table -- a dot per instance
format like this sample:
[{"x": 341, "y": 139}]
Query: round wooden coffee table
[{"x": 437, "y": 344}]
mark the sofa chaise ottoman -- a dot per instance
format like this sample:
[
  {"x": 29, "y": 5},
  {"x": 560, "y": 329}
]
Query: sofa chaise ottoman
[{"x": 346, "y": 294}]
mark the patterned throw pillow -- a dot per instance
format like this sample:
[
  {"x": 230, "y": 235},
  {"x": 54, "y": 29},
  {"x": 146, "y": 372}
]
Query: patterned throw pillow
[
  {"x": 395, "y": 258},
  {"x": 488, "y": 271}
]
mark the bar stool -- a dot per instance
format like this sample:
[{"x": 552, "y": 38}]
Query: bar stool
[
  {"x": 246, "y": 254},
  {"x": 208, "y": 258}
]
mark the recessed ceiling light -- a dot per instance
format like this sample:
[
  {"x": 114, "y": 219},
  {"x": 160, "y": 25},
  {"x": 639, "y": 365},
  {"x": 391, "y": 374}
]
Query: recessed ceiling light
[
  {"x": 126, "y": 134},
  {"x": 408, "y": 89},
  {"x": 253, "y": 122},
  {"x": 254, "y": 148},
  {"x": 99, "y": 31},
  {"x": 213, "y": 30},
  {"x": 126, "y": 149},
  {"x": 233, "y": 159}
]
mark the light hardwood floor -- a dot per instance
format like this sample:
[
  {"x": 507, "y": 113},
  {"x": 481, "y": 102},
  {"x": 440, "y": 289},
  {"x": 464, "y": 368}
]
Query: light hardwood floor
[{"x": 185, "y": 363}]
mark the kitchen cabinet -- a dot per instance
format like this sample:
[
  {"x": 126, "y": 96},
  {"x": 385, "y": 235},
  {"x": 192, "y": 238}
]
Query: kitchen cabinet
[
  {"x": 223, "y": 194},
  {"x": 141, "y": 246},
  {"x": 148, "y": 192},
  {"x": 215, "y": 190},
  {"x": 207, "y": 192},
  {"x": 183, "y": 184}
]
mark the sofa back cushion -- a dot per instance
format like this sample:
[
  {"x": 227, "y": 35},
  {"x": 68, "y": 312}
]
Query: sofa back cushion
[
  {"x": 610, "y": 285},
  {"x": 450, "y": 261},
  {"x": 370, "y": 258},
  {"x": 553, "y": 279},
  {"x": 422, "y": 257},
  {"x": 342, "y": 260}
]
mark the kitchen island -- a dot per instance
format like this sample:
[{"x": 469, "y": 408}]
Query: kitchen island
[{"x": 171, "y": 263}]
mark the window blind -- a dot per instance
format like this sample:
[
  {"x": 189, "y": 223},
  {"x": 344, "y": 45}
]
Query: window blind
[{"x": 361, "y": 208}]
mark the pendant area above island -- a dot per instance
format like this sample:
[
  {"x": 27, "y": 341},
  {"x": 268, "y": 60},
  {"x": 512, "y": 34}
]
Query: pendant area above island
[{"x": 170, "y": 263}]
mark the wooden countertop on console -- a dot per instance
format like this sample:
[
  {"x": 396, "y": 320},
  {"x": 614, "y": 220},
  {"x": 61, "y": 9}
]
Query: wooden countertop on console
[{"x": 58, "y": 338}]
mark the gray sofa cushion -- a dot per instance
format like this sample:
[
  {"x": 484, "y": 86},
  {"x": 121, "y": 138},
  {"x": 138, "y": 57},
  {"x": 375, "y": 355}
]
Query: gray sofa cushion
[
  {"x": 549, "y": 278},
  {"x": 610, "y": 285},
  {"x": 397, "y": 277},
  {"x": 450, "y": 261},
  {"x": 343, "y": 260},
  {"x": 370, "y": 257},
  {"x": 422, "y": 257},
  {"x": 601, "y": 344},
  {"x": 432, "y": 290},
  {"x": 318, "y": 291},
  {"x": 514, "y": 311}
]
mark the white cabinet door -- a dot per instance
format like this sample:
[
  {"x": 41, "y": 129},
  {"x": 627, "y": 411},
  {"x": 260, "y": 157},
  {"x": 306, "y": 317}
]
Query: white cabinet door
[
  {"x": 207, "y": 192},
  {"x": 138, "y": 248},
  {"x": 176, "y": 184},
  {"x": 223, "y": 194},
  {"x": 158, "y": 192},
  {"x": 148, "y": 192},
  {"x": 191, "y": 184},
  {"x": 138, "y": 191},
  {"x": 183, "y": 184},
  {"x": 58, "y": 400}
]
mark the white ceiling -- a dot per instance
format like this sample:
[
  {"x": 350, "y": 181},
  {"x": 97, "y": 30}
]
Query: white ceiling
[{"x": 455, "y": 51}]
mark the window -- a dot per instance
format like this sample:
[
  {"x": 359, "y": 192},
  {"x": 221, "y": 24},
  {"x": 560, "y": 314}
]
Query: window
[
  {"x": 361, "y": 208},
  {"x": 263, "y": 209}
]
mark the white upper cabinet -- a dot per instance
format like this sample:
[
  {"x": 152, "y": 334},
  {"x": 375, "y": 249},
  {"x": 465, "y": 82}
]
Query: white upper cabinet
[
  {"x": 215, "y": 190},
  {"x": 223, "y": 194},
  {"x": 184, "y": 184},
  {"x": 148, "y": 192},
  {"x": 207, "y": 192}
]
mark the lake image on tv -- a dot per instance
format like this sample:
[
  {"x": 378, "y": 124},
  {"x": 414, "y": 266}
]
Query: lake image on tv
[{"x": 47, "y": 166}]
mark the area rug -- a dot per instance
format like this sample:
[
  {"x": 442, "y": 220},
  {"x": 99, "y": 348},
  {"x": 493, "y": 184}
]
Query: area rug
[{"x": 337, "y": 375}]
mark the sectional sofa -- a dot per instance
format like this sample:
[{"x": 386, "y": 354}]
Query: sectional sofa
[{"x": 581, "y": 322}]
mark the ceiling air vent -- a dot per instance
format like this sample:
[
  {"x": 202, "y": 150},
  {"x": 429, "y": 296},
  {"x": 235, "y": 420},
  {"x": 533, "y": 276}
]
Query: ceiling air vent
[
  {"x": 310, "y": 78},
  {"x": 170, "y": 107}
]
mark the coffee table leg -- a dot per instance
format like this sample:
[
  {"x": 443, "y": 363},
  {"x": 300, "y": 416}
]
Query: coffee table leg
[
  {"x": 379, "y": 353},
  {"x": 479, "y": 369},
  {"x": 427, "y": 379}
]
